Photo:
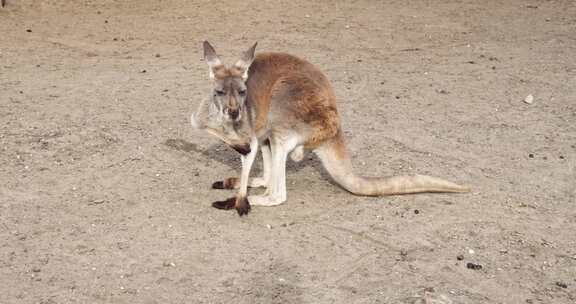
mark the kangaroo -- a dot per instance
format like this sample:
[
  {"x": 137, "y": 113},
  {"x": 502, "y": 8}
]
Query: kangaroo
[{"x": 285, "y": 105}]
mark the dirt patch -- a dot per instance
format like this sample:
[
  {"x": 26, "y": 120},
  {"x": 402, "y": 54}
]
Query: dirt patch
[{"x": 105, "y": 190}]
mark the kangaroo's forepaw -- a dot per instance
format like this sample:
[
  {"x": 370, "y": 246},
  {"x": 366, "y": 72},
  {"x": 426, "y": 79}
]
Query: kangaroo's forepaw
[
  {"x": 243, "y": 149},
  {"x": 229, "y": 183},
  {"x": 225, "y": 205},
  {"x": 242, "y": 205}
]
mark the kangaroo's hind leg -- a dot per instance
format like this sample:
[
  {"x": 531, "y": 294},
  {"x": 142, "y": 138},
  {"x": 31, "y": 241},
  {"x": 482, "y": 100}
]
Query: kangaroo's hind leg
[{"x": 276, "y": 191}]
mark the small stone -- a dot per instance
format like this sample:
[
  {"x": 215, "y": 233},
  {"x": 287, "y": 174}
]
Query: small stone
[
  {"x": 473, "y": 266},
  {"x": 531, "y": 155},
  {"x": 561, "y": 156},
  {"x": 562, "y": 284},
  {"x": 97, "y": 202},
  {"x": 416, "y": 211},
  {"x": 460, "y": 257},
  {"x": 157, "y": 55},
  {"x": 143, "y": 71},
  {"x": 35, "y": 269},
  {"x": 529, "y": 99},
  {"x": 168, "y": 264},
  {"x": 29, "y": 30}
]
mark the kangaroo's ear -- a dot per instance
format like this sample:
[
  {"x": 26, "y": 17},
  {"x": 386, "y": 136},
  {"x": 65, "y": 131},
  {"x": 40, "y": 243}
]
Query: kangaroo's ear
[
  {"x": 211, "y": 58},
  {"x": 245, "y": 61}
]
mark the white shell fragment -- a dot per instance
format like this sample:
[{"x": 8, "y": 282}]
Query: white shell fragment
[{"x": 529, "y": 99}]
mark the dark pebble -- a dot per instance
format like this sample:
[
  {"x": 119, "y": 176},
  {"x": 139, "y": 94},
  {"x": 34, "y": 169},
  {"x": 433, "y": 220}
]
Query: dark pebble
[
  {"x": 416, "y": 211},
  {"x": 143, "y": 71},
  {"x": 157, "y": 55},
  {"x": 473, "y": 266},
  {"x": 460, "y": 257},
  {"x": 545, "y": 158},
  {"x": 472, "y": 62},
  {"x": 29, "y": 30},
  {"x": 561, "y": 156},
  {"x": 397, "y": 97},
  {"x": 562, "y": 284},
  {"x": 105, "y": 21},
  {"x": 531, "y": 155}
]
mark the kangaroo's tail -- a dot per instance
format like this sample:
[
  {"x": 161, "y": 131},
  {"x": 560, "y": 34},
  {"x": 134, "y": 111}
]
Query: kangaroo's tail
[{"x": 337, "y": 162}]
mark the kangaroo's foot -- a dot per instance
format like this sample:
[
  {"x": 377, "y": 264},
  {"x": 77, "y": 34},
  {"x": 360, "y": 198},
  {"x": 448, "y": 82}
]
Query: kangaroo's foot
[
  {"x": 241, "y": 205},
  {"x": 228, "y": 183},
  {"x": 226, "y": 204},
  {"x": 234, "y": 183}
]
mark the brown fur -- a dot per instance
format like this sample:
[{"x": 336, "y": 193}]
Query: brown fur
[{"x": 300, "y": 87}]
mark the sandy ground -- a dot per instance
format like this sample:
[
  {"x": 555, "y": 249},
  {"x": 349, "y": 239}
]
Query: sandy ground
[{"x": 105, "y": 190}]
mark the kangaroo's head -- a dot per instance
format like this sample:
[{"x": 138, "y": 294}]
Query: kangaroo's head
[{"x": 229, "y": 88}]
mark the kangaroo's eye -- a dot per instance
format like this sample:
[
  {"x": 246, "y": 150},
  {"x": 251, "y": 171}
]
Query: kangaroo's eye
[
  {"x": 220, "y": 93},
  {"x": 242, "y": 92}
]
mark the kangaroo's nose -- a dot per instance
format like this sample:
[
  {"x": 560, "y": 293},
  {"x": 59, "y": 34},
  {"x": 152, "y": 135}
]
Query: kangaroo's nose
[{"x": 234, "y": 113}]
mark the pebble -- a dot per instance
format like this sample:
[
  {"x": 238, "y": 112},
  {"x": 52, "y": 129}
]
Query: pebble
[
  {"x": 97, "y": 202},
  {"x": 529, "y": 99},
  {"x": 460, "y": 257},
  {"x": 473, "y": 266},
  {"x": 562, "y": 284},
  {"x": 168, "y": 264}
]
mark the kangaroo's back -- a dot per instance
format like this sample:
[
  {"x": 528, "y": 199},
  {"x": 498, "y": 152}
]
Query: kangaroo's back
[{"x": 286, "y": 90}]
